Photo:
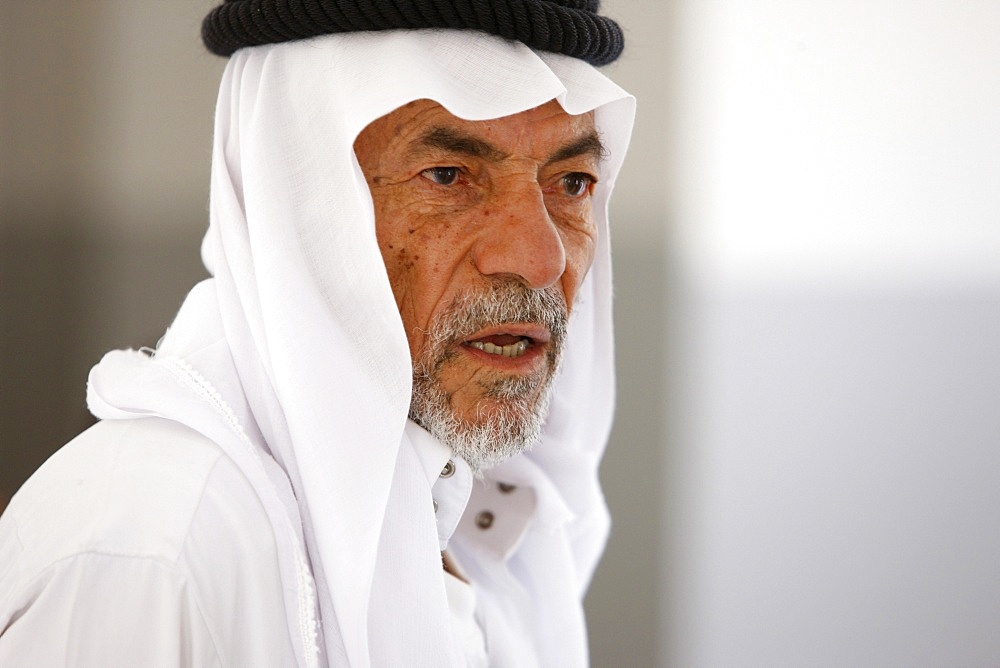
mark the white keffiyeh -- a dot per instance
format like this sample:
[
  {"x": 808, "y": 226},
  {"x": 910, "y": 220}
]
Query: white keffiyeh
[{"x": 294, "y": 359}]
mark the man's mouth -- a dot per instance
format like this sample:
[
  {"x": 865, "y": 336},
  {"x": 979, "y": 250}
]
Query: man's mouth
[
  {"x": 515, "y": 349},
  {"x": 511, "y": 341}
]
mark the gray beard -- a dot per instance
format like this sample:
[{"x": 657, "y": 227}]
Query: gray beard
[{"x": 519, "y": 404}]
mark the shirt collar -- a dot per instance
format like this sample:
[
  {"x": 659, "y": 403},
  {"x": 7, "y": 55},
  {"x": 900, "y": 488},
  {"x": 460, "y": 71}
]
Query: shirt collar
[{"x": 449, "y": 477}]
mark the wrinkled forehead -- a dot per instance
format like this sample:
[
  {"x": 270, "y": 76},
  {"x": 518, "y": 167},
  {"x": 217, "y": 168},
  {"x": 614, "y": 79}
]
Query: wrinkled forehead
[{"x": 424, "y": 127}]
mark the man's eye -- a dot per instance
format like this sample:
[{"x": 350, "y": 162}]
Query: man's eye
[
  {"x": 577, "y": 184},
  {"x": 443, "y": 176}
]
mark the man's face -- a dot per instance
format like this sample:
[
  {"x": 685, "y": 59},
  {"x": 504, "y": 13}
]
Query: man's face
[{"x": 486, "y": 231}]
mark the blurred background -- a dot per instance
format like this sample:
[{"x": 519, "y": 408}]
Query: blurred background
[{"x": 805, "y": 468}]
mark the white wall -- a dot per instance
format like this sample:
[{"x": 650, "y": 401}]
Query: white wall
[
  {"x": 842, "y": 140},
  {"x": 835, "y": 348}
]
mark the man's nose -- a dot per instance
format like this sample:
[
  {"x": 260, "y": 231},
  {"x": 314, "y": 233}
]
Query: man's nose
[{"x": 521, "y": 240}]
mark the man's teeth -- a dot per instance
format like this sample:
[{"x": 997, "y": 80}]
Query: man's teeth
[{"x": 513, "y": 350}]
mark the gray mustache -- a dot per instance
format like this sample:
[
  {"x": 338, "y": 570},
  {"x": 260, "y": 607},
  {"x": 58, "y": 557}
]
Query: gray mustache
[{"x": 500, "y": 303}]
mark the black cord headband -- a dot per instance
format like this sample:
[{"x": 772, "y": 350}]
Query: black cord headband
[{"x": 570, "y": 27}]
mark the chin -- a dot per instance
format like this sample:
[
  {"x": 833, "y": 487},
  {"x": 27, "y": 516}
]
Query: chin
[{"x": 503, "y": 424}]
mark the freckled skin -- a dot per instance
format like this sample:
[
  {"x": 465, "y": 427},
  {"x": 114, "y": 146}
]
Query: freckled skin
[{"x": 513, "y": 215}]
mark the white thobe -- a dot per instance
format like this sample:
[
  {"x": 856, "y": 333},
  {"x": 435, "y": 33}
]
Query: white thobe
[{"x": 141, "y": 543}]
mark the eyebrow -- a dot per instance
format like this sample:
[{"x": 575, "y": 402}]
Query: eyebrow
[
  {"x": 454, "y": 141},
  {"x": 588, "y": 145}
]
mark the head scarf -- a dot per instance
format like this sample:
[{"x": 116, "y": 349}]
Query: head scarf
[{"x": 293, "y": 355}]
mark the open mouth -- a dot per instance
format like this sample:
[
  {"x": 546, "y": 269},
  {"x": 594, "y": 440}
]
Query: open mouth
[
  {"x": 515, "y": 349},
  {"x": 512, "y": 340}
]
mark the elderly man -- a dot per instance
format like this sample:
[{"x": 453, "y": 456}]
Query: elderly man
[{"x": 372, "y": 437}]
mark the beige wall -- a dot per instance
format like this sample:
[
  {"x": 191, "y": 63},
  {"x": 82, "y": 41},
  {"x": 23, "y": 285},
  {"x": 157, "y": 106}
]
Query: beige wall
[{"x": 106, "y": 132}]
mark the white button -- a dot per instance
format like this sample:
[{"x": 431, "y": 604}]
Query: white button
[
  {"x": 448, "y": 470},
  {"x": 506, "y": 487},
  {"x": 484, "y": 520}
]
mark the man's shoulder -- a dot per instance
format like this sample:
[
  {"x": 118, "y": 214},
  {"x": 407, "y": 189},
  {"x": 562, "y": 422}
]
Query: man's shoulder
[
  {"x": 137, "y": 516},
  {"x": 130, "y": 488}
]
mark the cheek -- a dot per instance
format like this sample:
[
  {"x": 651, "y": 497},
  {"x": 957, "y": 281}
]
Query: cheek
[
  {"x": 398, "y": 232},
  {"x": 580, "y": 244},
  {"x": 402, "y": 260},
  {"x": 422, "y": 262},
  {"x": 408, "y": 276}
]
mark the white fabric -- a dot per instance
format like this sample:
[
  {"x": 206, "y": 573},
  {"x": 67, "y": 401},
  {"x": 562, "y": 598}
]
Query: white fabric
[
  {"x": 462, "y": 601},
  {"x": 294, "y": 361},
  {"x": 162, "y": 554},
  {"x": 142, "y": 488},
  {"x": 140, "y": 544},
  {"x": 450, "y": 491}
]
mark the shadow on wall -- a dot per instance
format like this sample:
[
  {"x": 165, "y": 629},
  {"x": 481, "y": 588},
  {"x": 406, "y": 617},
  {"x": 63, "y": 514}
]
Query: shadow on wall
[
  {"x": 68, "y": 296},
  {"x": 624, "y": 598}
]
